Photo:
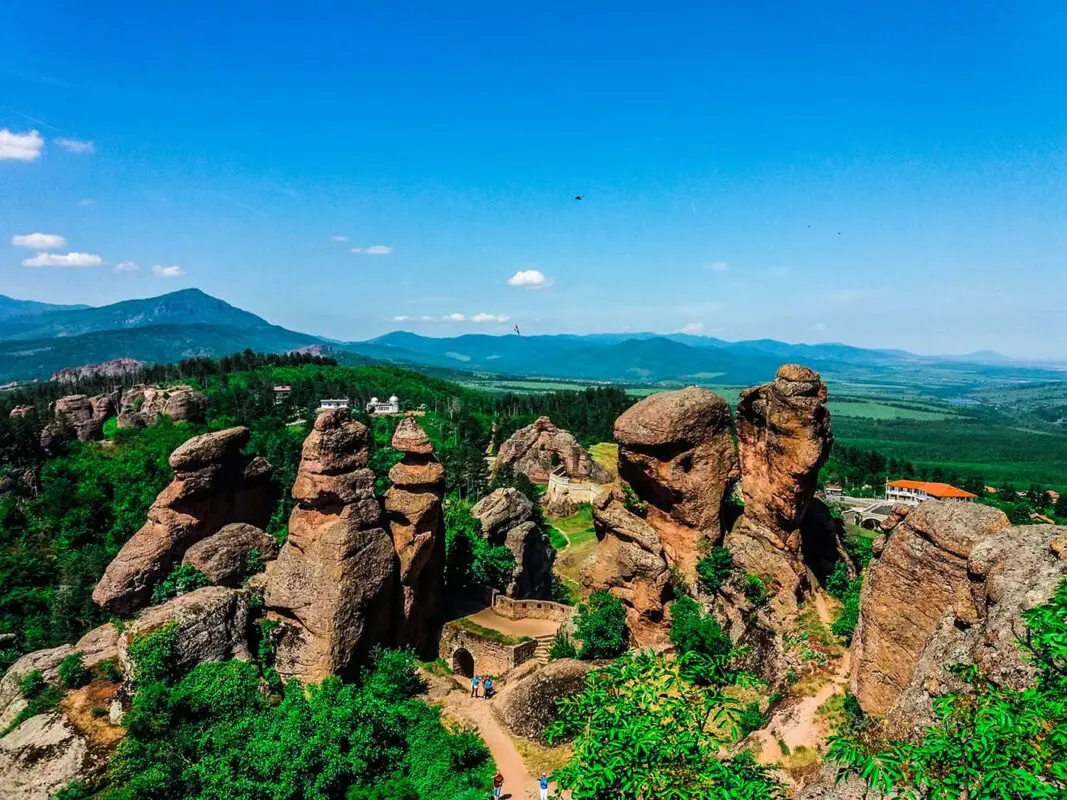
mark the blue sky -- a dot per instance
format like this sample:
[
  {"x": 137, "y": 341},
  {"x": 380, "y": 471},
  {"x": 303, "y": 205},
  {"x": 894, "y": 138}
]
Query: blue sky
[{"x": 883, "y": 174}]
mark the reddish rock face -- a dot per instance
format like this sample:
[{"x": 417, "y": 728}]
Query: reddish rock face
[
  {"x": 332, "y": 584},
  {"x": 540, "y": 447},
  {"x": 783, "y": 436},
  {"x": 224, "y": 556},
  {"x": 78, "y": 416},
  {"x": 142, "y": 406},
  {"x": 416, "y": 524},
  {"x": 214, "y": 484}
]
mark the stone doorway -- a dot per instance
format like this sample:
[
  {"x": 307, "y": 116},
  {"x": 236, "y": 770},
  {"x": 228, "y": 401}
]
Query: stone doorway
[{"x": 463, "y": 662}]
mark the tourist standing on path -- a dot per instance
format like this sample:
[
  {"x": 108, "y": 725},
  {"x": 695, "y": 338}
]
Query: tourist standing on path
[
  {"x": 498, "y": 786},
  {"x": 542, "y": 785},
  {"x": 487, "y": 685},
  {"x": 474, "y": 686}
]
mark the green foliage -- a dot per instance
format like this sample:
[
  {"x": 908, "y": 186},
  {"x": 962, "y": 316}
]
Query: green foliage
[
  {"x": 633, "y": 503},
  {"x": 714, "y": 568},
  {"x": 183, "y": 579},
  {"x": 72, "y": 672},
  {"x": 562, "y": 646},
  {"x": 756, "y": 590},
  {"x": 601, "y": 627},
  {"x": 845, "y": 625},
  {"x": 641, "y": 729},
  {"x": 750, "y": 719},
  {"x": 214, "y": 734},
  {"x": 40, "y": 695},
  {"x": 470, "y": 560},
  {"x": 589, "y": 414},
  {"x": 32, "y": 684},
  {"x": 694, "y": 632},
  {"x": 561, "y": 592},
  {"x": 152, "y": 656},
  {"x": 482, "y": 632},
  {"x": 75, "y": 790},
  {"x": 990, "y": 742}
]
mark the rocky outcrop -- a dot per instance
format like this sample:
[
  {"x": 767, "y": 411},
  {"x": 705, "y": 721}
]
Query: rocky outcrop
[
  {"x": 44, "y": 661},
  {"x": 43, "y": 755},
  {"x": 214, "y": 485},
  {"x": 416, "y": 524},
  {"x": 225, "y": 557},
  {"x": 540, "y": 447},
  {"x": 18, "y": 412},
  {"x": 209, "y": 625},
  {"x": 527, "y": 703},
  {"x": 783, "y": 438},
  {"x": 332, "y": 583},
  {"x": 142, "y": 406},
  {"x": 949, "y": 586},
  {"x": 78, "y": 416},
  {"x": 113, "y": 368},
  {"x": 507, "y": 518}
]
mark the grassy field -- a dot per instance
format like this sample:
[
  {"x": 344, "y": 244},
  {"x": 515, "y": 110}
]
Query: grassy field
[
  {"x": 577, "y": 528},
  {"x": 606, "y": 454},
  {"x": 579, "y": 540},
  {"x": 874, "y": 409}
]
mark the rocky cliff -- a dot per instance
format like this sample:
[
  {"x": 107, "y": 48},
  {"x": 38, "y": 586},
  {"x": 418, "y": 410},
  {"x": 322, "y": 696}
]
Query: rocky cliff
[
  {"x": 214, "y": 485},
  {"x": 416, "y": 524},
  {"x": 540, "y": 447},
  {"x": 142, "y": 406},
  {"x": 78, "y": 416},
  {"x": 333, "y": 581},
  {"x": 507, "y": 518}
]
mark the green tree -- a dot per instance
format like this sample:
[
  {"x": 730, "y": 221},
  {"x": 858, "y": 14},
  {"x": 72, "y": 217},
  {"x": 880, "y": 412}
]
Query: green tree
[
  {"x": 601, "y": 627},
  {"x": 714, "y": 568},
  {"x": 694, "y": 632}
]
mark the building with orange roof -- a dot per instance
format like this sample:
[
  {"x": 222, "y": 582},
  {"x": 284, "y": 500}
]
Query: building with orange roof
[{"x": 915, "y": 492}]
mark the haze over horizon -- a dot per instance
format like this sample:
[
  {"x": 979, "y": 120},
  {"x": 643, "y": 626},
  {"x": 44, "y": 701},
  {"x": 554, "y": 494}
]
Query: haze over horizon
[{"x": 888, "y": 178}]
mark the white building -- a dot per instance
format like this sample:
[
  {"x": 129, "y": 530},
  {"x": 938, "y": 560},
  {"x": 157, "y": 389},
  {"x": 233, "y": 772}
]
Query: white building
[
  {"x": 914, "y": 492},
  {"x": 327, "y": 403},
  {"x": 282, "y": 394},
  {"x": 390, "y": 406}
]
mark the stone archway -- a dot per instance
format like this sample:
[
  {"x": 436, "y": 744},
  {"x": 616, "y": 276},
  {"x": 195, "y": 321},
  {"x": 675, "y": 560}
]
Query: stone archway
[
  {"x": 463, "y": 662},
  {"x": 870, "y": 523}
]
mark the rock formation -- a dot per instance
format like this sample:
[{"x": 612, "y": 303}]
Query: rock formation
[
  {"x": 112, "y": 368},
  {"x": 540, "y": 447},
  {"x": 416, "y": 523},
  {"x": 333, "y": 580},
  {"x": 783, "y": 437},
  {"x": 18, "y": 412},
  {"x": 949, "y": 586},
  {"x": 214, "y": 484},
  {"x": 43, "y": 755},
  {"x": 527, "y": 703},
  {"x": 142, "y": 406},
  {"x": 507, "y": 518},
  {"x": 78, "y": 416},
  {"x": 209, "y": 625},
  {"x": 224, "y": 556}
]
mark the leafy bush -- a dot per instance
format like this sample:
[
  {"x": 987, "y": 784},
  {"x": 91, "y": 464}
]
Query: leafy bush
[
  {"x": 601, "y": 627},
  {"x": 562, "y": 646},
  {"x": 72, "y": 672},
  {"x": 633, "y": 503},
  {"x": 756, "y": 590},
  {"x": 694, "y": 632},
  {"x": 750, "y": 719},
  {"x": 183, "y": 579},
  {"x": 845, "y": 625},
  {"x": 714, "y": 568},
  {"x": 32, "y": 684},
  {"x": 470, "y": 560},
  {"x": 40, "y": 695},
  {"x": 641, "y": 730}
]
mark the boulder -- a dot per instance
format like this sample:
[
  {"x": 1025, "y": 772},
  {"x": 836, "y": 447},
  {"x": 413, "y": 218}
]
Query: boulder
[
  {"x": 209, "y": 625},
  {"x": 224, "y": 556},
  {"x": 541, "y": 447},
  {"x": 43, "y": 755},
  {"x": 783, "y": 437},
  {"x": 214, "y": 485},
  {"x": 920, "y": 575},
  {"x": 45, "y": 661},
  {"x": 142, "y": 406},
  {"x": 416, "y": 524},
  {"x": 18, "y": 412},
  {"x": 332, "y": 583},
  {"x": 77, "y": 416},
  {"x": 507, "y": 518},
  {"x": 527, "y": 706},
  {"x": 99, "y": 645}
]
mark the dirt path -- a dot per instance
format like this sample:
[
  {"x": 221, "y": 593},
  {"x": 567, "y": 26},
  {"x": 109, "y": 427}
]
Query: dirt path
[{"x": 519, "y": 784}]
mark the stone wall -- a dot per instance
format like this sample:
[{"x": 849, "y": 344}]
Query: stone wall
[
  {"x": 490, "y": 657},
  {"x": 531, "y": 609}
]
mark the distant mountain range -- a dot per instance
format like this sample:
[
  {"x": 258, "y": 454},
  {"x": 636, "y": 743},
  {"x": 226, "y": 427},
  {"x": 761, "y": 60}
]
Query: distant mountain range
[{"x": 39, "y": 339}]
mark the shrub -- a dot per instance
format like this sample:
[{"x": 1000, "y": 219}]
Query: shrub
[
  {"x": 756, "y": 590},
  {"x": 562, "y": 646},
  {"x": 183, "y": 579},
  {"x": 845, "y": 625},
  {"x": 714, "y": 568},
  {"x": 32, "y": 684},
  {"x": 633, "y": 503},
  {"x": 601, "y": 627},
  {"x": 751, "y": 719},
  {"x": 693, "y": 632},
  {"x": 72, "y": 672}
]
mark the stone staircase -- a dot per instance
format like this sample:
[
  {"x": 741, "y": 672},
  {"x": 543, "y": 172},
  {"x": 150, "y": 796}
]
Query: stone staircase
[{"x": 544, "y": 645}]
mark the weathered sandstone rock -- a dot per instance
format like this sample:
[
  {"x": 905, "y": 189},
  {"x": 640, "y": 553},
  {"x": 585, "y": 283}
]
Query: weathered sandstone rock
[
  {"x": 224, "y": 556},
  {"x": 783, "y": 436},
  {"x": 98, "y": 645},
  {"x": 506, "y": 517},
  {"x": 540, "y": 447},
  {"x": 214, "y": 485},
  {"x": 209, "y": 625},
  {"x": 18, "y": 412},
  {"x": 527, "y": 704},
  {"x": 332, "y": 583},
  {"x": 416, "y": 524},
  {"x": 142, "y": 406},
  {"x": 43, "y": 755},
  {"x": 77, "y": 416},
  {"x": 921, "y": 574},
  {"x": 45, "y": 661}
]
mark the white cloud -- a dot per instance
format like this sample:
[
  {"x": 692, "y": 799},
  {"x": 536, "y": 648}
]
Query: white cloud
[
  {"x": 692, "y": 328},
  {"x": 20, "y": 146},
  {"x": 76, "y": 145},
  {"x": 717, "y": 266},
  {"x": 39, "y": 241},
  {"x": 61, "y": 260},
  {"x": 338, "y": 238},
  {"x": 530, "y": 279},
  {"x": 374, "y": 250},
  {"x": 172, "y": 271},
  {"x": 483, "y": 317},
  {"x": 126, "y": 266},
  {"x": 403, "y": 318},
  {"x": 85, "y": 203},
  {"x": 455, "y": 317},
  {"x": 426, "y": 318}
]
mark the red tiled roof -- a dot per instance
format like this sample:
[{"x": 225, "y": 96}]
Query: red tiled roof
[{"x": 932, "y": 489}]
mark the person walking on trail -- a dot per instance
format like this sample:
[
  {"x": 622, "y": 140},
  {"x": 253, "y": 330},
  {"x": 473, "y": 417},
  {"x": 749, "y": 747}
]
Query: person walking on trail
[
  {"x": 542, "y": 786},
  {"x": 487, "y": 686},
  {"x": 498, "y": 786},
  {"x": 474, "y": 686}
]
